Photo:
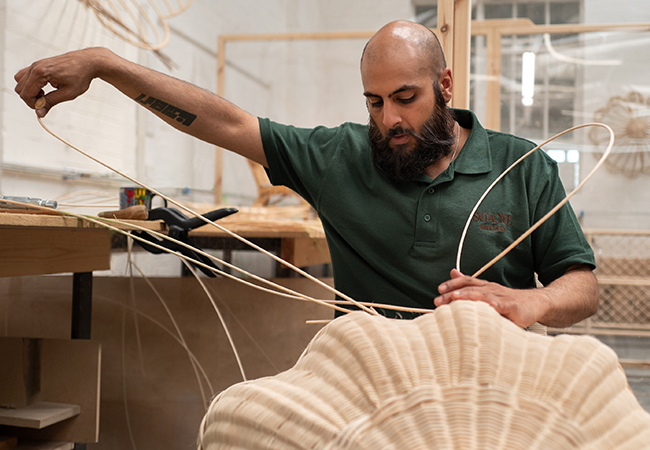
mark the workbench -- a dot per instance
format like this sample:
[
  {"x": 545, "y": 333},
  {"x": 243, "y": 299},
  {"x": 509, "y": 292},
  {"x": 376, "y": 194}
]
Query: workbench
[
  {"x": 35, "y": 244},
  {"x": 39, "y": 244},
  {"x": 300, "y": 242}
]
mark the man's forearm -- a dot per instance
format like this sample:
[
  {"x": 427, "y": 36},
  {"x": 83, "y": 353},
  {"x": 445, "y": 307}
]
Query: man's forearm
[
  {"x": 186, "y": 107},
  {"x": 571, "y": 298}
]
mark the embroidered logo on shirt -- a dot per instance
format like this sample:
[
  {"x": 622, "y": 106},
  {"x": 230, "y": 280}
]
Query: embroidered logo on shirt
[{"x": 493, "y": 221}]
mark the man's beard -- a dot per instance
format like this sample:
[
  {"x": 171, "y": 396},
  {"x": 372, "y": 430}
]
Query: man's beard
[{"x": 433, "y": 143}]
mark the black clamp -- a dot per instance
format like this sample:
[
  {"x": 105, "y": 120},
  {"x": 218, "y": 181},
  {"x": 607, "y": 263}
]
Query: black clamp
[{"x": 179, "y": 225}]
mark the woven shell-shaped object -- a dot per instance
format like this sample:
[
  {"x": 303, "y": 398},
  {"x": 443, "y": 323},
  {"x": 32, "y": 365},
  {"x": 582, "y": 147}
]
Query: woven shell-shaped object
[{"x": 462, "y": 377}]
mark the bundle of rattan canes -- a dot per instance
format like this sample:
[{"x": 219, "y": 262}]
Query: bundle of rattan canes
[{"x": 462, "y": 377}]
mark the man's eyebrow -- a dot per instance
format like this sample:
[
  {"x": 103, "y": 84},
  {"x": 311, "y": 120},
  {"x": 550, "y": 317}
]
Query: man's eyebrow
[{"x": 406, "y": 87}]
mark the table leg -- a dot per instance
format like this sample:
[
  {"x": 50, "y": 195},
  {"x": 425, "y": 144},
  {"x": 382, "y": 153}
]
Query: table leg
[{"x": 82, "y": 295}]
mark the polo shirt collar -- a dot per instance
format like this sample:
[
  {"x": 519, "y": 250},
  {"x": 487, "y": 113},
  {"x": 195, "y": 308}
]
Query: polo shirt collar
[{"x": 474, "y": 157}]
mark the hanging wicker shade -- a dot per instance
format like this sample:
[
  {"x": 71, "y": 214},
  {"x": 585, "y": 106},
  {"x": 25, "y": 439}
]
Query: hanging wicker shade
[
  {"x": 629, "y": 117},
  {"x": 140, "y": 23},
  {"x": 462, "y": 377}
]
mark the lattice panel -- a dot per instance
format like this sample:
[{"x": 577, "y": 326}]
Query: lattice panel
[
  {"x": 623, "y": 305},
  {"x": 623, "y": 261}
]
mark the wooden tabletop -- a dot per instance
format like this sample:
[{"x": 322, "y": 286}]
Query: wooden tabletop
[{"x": 51, "y": 243}]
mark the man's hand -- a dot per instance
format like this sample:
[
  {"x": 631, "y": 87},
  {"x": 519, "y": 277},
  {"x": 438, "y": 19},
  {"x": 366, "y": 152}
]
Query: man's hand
[
  {"x": 69, "y": 74},
  {"x": 569, "y": 299}
]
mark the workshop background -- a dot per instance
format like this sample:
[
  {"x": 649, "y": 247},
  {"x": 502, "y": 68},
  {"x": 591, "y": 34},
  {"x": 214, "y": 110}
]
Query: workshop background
[{"x": 150, "y": 398}]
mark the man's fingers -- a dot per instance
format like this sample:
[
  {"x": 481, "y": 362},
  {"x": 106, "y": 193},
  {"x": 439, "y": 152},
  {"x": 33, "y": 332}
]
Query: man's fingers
[
  {"x": 455, "y": 274},
  {"x": 20, "y": 74},
  {"x": 459, "y": 281},
  {"x": 29, "y": 86}
]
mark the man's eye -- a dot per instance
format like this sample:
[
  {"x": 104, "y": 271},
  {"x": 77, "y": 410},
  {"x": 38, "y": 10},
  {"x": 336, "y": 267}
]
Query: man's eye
[
  {"x": 407, "y": 100},
  {"x": 376, "y": 104}
]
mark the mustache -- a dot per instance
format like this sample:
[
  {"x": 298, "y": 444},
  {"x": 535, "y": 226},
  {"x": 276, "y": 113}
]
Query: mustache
[{"x": 398, "y": 131}]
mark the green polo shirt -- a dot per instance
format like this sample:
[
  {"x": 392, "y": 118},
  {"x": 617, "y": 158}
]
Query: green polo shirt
[{"x": 395, "y": 242}]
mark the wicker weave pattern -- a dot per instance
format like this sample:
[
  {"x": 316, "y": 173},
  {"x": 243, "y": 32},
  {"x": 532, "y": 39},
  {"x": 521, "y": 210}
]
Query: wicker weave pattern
[{"x": 460, "y": 378}]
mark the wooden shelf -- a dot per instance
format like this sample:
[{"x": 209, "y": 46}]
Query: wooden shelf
[{"x": 39, "y": 415}]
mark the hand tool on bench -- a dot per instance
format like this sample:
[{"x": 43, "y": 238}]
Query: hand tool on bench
[
  {"x": 179, "y": 225},
  {"x": 135, "y": 212}
]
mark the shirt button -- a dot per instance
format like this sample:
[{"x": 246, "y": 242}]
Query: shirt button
[
  {"x": 427, "y": 217},
  {"x": 431, "y": 190}
]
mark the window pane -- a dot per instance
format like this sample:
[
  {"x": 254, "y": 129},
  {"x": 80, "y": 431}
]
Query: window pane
[
  {"x": 565, "y": 12},
  {"x": 533, "y": 11},
  {"x": 498, "y": 11}
]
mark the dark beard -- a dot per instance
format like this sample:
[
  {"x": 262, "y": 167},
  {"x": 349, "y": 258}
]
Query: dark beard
[{"x": 433, "y": 143}]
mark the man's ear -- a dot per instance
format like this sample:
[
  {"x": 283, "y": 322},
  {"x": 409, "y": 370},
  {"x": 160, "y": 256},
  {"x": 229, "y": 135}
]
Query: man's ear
[{"x": 446, "y": 84}]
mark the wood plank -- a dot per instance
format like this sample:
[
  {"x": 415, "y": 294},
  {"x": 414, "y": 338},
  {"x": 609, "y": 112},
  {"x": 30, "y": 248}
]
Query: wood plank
[
  {"x": 634, "y": 363},
  {"x": 39, "y": 415},
  {"x": 462, "y": 50},
  {"x": 305, "y": 252},
  {"x": 35, "y": 251},
  {"x": 600, "y": 232},
  {"x": 218, "y": 151},
  {"x": 445, "y": 28},
  {"x": 269, "y": 228},
  {"x": 600, "y": 331},
  {"x": 47, "y": 211},
  {"x": 493, "y": 85},
  {"x": 624, "y": 281},
  {"x": 526, "y": 26},
  {"x": 41, "y": 220},
  {"x": 299, "y": 36}
]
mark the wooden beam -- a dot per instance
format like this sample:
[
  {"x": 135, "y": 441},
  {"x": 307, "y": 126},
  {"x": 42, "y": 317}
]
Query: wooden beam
[
  {"x": 493, "y": 84},
  {"x": 624, "y": 281},
  {"x": 305, "y": 252},
  {"x": 218, "y": 151},
  {"x": 446, "y": 10},
  {"x": 299, "y": 36},
  {"x": 592, "y": 232},
  {"x": 634, "y": 363},
  {"x": 526, "y": 26},
  {"x": 462, "y": 50}
]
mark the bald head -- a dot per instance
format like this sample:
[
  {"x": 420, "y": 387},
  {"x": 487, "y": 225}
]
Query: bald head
[{"x": 402, "y": 37}]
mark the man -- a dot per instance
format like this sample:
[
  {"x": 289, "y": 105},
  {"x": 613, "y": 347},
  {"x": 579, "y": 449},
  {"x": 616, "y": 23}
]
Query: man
[{"x": 393, "y": 196}]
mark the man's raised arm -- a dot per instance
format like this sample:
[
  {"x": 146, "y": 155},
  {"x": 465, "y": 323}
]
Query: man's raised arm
[{"x": 184, "y": 106}]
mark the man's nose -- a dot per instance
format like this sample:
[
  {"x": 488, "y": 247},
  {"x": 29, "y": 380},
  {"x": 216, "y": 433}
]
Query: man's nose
[{"x": 392, "y": 118}]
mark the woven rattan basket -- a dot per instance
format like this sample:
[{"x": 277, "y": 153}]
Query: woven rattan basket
[{"x": 462, "y": 377}]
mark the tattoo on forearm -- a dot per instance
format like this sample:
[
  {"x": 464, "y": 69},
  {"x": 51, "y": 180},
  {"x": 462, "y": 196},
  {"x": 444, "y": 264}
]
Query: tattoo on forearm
[{"x": 184, "y": 117}]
